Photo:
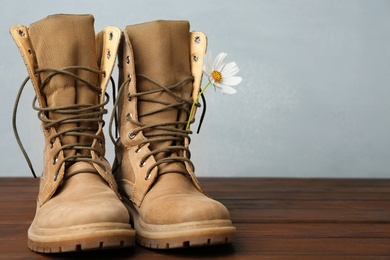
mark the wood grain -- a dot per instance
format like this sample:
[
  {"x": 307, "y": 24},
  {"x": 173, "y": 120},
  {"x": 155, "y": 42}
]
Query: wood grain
[{"x": 276, "y": 218}]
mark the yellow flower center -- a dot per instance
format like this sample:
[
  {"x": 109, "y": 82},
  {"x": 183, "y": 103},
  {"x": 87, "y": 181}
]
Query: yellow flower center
[{"x": 217, "y": 76}]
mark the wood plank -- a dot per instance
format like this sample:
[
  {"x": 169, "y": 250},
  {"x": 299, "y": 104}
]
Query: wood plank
[
  {"x": 309, "y": 215},
  {"x": 306, "y": 204},
  {"x": 15, "y": 230},
  {"x": 316, "y": 246},
  {"x": 291, "y": 182},
  {"x": 289, "y": 196},
  {"x": 313, "y": 230}
]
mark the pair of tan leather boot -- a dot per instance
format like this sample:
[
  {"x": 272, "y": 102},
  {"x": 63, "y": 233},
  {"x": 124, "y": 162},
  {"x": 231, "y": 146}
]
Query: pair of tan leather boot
[{"x": 151, "y": 194}]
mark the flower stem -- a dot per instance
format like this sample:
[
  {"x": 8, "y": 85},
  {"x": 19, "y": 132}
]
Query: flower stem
[{"x": 194, "y": 105}]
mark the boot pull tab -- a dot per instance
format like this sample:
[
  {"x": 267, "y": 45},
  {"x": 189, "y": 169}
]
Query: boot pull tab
[
  {"x": 198, "y": 47},
  {"x": 111, "y": 38},
  {"x": 20, "y": 34}
]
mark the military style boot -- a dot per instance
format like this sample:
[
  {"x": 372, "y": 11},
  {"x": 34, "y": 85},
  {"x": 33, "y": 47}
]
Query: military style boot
[
  {"x": 160, "y": 67},
  {"x": 78, "y": 206}
]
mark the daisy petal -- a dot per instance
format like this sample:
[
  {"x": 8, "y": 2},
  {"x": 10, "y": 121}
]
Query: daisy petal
[
  {"x": 230, "y": 69},
  {"x": 231, "y": 81},
  {"x": 208, "y": 64},
  {"x": 227, "y": 89},
  {"x": 219, "y": 61}
]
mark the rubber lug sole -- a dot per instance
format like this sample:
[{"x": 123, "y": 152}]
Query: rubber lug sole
[
  {"x": 189, "y": 239},
  {"x": 82, "y": 238}
]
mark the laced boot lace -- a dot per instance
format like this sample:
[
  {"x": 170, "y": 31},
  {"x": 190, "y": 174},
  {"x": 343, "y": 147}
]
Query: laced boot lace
[
  {"x": 74, "y": 114},
  {"x": 167, "y": 131}
]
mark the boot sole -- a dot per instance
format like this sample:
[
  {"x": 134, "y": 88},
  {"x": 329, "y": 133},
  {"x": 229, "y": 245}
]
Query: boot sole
[
  {"x": 190, "y": 234},
  {"x": 81, "y": 238},
  {"x": 183, "y": 239}
]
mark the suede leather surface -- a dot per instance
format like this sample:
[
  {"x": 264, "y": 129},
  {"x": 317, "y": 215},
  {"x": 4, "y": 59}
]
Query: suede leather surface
[
  {"x": 72, "y": 45},
  {"x": 160, "y": 50},
  {"x": 174, "y": 199},
  {"x": 158, "y": 55},
  {"x": 82, "y": 198}
]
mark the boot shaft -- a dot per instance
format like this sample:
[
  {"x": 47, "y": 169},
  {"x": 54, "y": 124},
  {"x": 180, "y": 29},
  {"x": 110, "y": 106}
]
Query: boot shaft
[
  {"x": 159, "y": 48},
  {"x": 65, "y": 41}
]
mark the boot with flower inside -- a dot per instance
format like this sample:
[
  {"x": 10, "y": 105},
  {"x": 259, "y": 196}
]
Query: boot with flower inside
[
  {"x": 78, "y": 206},
  {"x": 160, "y": 65}
]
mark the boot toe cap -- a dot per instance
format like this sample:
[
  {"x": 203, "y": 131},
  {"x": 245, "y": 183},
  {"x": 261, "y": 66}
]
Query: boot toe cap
[
  {"x": 84, "y": 211},
  {"x": 174, "y": 209},
  {"x": 88, "y": 200}
]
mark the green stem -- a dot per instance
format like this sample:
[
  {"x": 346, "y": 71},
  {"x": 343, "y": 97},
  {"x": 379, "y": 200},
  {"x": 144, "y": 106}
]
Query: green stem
[{"x": 194, "y": 105}]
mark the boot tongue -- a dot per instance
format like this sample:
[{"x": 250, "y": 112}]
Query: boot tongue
[
  {"x": 61, "y": 41},
  {"x": 161, "y": 52}
]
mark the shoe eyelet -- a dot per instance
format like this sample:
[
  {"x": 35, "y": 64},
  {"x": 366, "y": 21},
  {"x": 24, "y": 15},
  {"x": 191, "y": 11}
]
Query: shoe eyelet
[
  {"x": 55, "y": 160},
  {"x": 138, "y": 150},
  {"x": 129, "y": 97},
  {"x": 147, "y": 176},
  {"x": 21, "y": 33},
  {"x": 132, "y": 135},
  {"x": 129, "y": 116},
  {"x": 197, "y": 39},
  {"x": 142, "y": 164}
]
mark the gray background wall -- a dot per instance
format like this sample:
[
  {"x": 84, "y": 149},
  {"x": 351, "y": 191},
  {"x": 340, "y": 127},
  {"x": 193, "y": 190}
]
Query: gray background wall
[{"x": 314, "y": 102}]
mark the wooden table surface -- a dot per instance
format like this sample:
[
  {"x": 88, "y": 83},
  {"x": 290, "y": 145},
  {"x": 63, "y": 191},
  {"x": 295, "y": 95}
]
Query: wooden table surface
[{"x": 275, "y": 219}]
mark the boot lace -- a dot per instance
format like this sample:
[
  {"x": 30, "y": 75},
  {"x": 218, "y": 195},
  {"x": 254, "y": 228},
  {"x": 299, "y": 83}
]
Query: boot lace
[
  {"x": 74, "y": 114},
  {"x": 168, "y": 131}
]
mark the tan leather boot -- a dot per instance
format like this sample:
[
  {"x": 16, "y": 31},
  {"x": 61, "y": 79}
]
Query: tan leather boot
[
  {"x": 160, "y": 72},
  {"x": 78, "y": 206}
]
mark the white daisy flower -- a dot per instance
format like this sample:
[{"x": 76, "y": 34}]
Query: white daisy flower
[{"x": 221, "y": 74}]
